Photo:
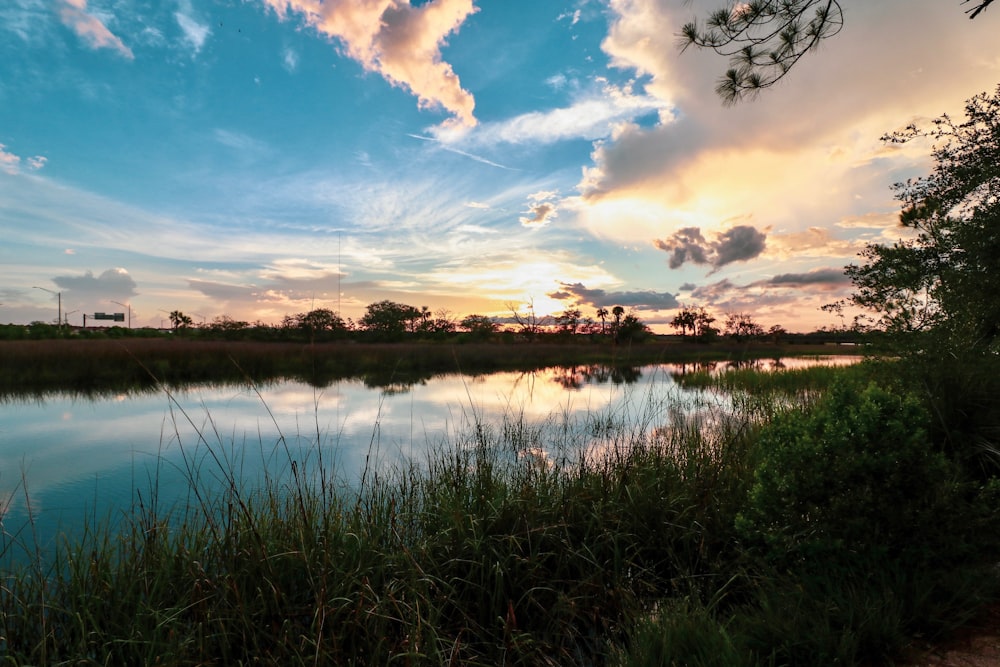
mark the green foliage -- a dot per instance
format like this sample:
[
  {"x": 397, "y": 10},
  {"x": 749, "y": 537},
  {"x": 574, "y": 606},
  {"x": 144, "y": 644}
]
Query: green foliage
[
  {"x": 854, "y": 476},
  {"x": 944, "y": 281},
  {"x": 682, "y": 633},
  {"x": 935, "y": 293},
  {"x": 631, "y": 329}
]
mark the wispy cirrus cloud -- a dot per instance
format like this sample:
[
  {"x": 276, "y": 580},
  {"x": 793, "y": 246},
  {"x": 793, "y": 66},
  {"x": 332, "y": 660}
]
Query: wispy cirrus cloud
[
  {"x": 594, "y": 115},
  {"x": 400, "y": 41},
  {"x": 89, "y": 28},
  {"x": 195, "y": 33}
]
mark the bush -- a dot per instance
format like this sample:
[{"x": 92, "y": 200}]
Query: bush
[{"x": 857, "y": 474}]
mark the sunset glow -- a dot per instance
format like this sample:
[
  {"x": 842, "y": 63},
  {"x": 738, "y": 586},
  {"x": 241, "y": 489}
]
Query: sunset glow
[{"x": 262, "y": 158}]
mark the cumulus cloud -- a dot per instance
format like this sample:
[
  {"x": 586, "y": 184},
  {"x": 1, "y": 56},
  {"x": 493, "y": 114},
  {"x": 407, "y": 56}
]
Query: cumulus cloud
[
  {"x": 111, "y": 284},
  {"x": 599, "y": 298},
  {"x": 74, "y": 15},
  {"x": 737, "y": 244},
  {"x": 541, "y": 211},
  {"x": 539, "y": 214},
  {"x": 195, "y": 33},
  {"x": 400, "y": 41}
]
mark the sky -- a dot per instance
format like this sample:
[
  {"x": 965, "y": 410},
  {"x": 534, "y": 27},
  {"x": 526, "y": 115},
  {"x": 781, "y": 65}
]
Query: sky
[{"x": 262, "y": 158}]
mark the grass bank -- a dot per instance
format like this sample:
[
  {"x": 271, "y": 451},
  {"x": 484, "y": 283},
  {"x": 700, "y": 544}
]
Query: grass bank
[
  {"x": 113, "y": 365},
  {"x": 824, "y": 531}
]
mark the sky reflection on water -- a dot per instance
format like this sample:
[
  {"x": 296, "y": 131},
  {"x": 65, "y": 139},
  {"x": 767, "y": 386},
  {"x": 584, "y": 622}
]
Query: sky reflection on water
[{"x": 78, "y": 456}]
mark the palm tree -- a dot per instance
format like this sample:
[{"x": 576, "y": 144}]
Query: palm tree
[
  {"x": 618, "y": 311},
  {"x": 179, "y": 319},
  {"x": 602, "y": 314}
]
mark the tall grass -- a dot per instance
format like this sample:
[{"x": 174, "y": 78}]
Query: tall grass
[{"x": 612, "y": 539}]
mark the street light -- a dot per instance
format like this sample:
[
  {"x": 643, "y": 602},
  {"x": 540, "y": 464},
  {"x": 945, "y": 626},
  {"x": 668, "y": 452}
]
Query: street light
[
  {"x": 58, "y": 294},
  {"x": 125, "y": 305},
  {"x": 68, "y": 314}
]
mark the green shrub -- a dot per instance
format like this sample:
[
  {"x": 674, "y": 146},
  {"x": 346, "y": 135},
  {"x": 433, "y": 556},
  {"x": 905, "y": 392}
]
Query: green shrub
[{"x": 855, "y": 475}]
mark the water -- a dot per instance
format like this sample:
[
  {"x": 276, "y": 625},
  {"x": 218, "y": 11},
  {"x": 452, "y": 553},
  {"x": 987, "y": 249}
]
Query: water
[{"x": 64, "y": 458}]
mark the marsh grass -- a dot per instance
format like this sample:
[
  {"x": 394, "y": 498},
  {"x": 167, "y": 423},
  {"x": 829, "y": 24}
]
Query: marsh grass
[{"x": 610, "y": 540}]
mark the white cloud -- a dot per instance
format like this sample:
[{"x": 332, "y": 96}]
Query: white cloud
[
  {"x": 400, "y": 41},
  {"x": 290, "y": 59},
  {"x": 11, "y": 163},
  {"x": 74, "y": 15},
  {"x": 594, "y": 115},
  {"x": 804, "y": 154},
  {"x": 195, "y": 33}
]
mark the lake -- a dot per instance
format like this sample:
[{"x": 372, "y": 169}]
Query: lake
[{"x": 65, "y": 457}]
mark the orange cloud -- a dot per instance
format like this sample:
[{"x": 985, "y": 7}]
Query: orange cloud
[
  {"x": 73, "y": 14},
  {"x": 400, "y": 41}
]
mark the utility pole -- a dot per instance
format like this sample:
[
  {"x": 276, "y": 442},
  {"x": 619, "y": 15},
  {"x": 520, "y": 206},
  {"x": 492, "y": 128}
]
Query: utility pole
[
  {"x": 125, "y": 305},
  {"x": 59, "y": 295}
]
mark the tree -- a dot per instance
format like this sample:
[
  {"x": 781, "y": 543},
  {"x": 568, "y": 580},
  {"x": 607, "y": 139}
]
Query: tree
[
  {"x": 569, "y": 321},
  {"x": 935, "y": 294},
  {"x": 479, "y": 326},
  {"x": 530, "y": 323},
  {"x": 602, "y": 315},
  {"x": 617, "y": 313},
  {"x": 764, "y": 39},
  {"x": 945, "y": 279},
  {"x": 179, "y": 320},
  {"x": 320, "y": 322},
  {"x": 389, "y": 320},
  {"x": 686, "y": 319},
  {"x": 742, "y": 326},
  {"x": 631, "y": 329}
]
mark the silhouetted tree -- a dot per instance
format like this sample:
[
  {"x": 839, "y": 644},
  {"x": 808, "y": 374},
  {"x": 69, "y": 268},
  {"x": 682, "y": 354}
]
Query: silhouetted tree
[
  {"x": 685, "y": 320},
  {"x": 764, "y": 39},
  {"x": 179, "y": 320},
  {"x": 389, "y": 320},
  {"x": 479, "y": 326},
  {"x": 742, "y": 326},
  {"x": 602, "y": 315}
]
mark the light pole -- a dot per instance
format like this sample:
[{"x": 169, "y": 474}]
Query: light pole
[
  {"x": 68, "y": 314},
  {"x": 125, "y": 305},
  {"x": 58, "y": 294}
]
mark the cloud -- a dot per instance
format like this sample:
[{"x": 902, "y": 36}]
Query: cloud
[
  {"x": 111, "y": 284},
  {"x": 11, "y": 163},
  {"x": 737, "y": 244},
  {"x": 824, "y": 276},
  {"x": 598, "y": 298},
  {"x": 74, "y": 15},
  {"x": 400, "y": 41},
  {"x": 290, "y": 60},
  {"x": 541, "y": 211},
  {"x": 593, "y": 116},
  {"x": 195, "y": 34},
  {"x": 539, "y": 214}
]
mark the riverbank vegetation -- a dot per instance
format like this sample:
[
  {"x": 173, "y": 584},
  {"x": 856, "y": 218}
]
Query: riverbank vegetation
[
  {"x": 96, "y": 366},
  {"x": 786, "y": 529}
]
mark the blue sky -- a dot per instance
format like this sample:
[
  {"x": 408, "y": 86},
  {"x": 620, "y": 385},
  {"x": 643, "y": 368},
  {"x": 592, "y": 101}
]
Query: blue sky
[{"x": 259, "y": 158}]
